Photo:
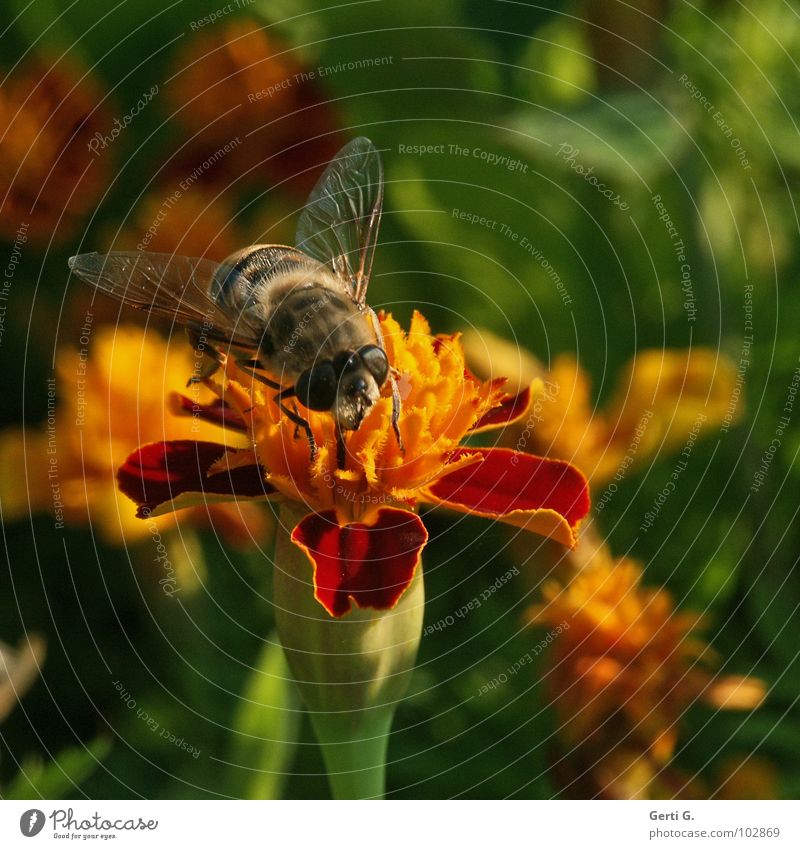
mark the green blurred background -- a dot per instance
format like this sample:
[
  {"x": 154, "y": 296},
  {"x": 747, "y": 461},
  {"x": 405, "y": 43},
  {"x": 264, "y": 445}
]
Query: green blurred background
[{"x": 514, "y": 80}]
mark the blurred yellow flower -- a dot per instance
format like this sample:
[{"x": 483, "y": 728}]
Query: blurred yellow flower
[
  {"x": 624, "y": 672},
  {"x": 49, "y": 179},
  {"x": 107, "y": 398},
  {"x": 660, "y": 397}
]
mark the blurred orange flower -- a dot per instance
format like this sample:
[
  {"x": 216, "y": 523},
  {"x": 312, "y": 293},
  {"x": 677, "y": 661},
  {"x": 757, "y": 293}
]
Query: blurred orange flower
[
  {"x": 197, "y": 222},
  {"x": 106, "y": 399},
  {"x": 247, "y": 103},
  {"x": 49, "y": 179},
  {"x": 751, "y": 777},
  {"x": 658, "y": 400},
  {"x": 625, "y": 667}
]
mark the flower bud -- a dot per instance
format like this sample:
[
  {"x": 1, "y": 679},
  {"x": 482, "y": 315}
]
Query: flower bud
[{"x": 351, "y": 671}]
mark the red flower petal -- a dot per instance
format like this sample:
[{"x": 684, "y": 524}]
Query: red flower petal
[
  {"x": 218, "y": 412},
  {"x": 546, "y": 496},
  {"x": 368, "y": 565},
  {"x": 157, "y": 474},
  {"x": 512, "y": 408}
]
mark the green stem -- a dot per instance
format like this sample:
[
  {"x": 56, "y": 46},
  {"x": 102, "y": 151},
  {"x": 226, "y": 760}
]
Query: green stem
[
  {"x": 356, "y": 766},
  {"x": 351, "y": 672}
]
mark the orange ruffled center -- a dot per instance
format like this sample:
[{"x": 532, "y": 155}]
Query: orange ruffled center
[{"x": 441, "y": 403}]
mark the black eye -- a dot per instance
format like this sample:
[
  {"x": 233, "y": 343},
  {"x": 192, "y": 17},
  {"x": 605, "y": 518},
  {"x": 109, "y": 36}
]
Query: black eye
[
  {"x": 345, "y": 361},
  {"x": 316, "y": 388},
  {"x": 376, "y": 362}
]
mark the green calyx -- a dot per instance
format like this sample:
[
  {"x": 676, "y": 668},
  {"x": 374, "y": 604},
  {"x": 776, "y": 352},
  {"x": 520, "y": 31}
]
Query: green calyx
[{"x": 351, "y": 672}]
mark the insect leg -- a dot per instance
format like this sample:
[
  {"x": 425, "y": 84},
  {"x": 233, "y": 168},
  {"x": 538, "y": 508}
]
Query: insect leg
[
  {"x": 396, "y": 406},
  {"x": 341, "y": 448},
  {"x": 296, "y": 427},
  {"x": 396, "y": 401},
  {"x": 209, "y": 359},
  {"x": 296, "y": 418},
  {"x": 249, "y": 366}
]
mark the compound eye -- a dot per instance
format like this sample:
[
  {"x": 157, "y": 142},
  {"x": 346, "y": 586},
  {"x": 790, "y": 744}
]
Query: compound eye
[
  {"x": 316, "y": 387},
  {"x": 345, "y": 362},
  {"x": 376, "y": 362}
]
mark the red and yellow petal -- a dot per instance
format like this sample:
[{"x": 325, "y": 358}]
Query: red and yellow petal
[
  {"x": 366, "y": 565},
  {"x": 549, "y": 497},
  {"x": 218, "y": 412},
  {"x": 510, "y": 409},
  {"x": 167, "y": 476}
]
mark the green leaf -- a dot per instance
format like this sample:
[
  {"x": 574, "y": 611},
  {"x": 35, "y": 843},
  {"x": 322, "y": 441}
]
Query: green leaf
[
  {"x": 60, "y": 778},
  {"x": 265, "y": 727},
  {"x": 557, "y": 65},
  {"x": 773, "y": 601},
  {"x": 631, "y": 136}
]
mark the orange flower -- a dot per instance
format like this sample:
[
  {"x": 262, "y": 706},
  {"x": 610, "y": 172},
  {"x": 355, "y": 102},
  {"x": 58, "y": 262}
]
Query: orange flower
[
  {"x": 625, "y": 668},
  {"x": 361, "y": 535},
  {"x": 238, "y": 90},
  {"x": 105, "y": 400},
  {"x": 49, "y": 178},
  {"x": 659, "y": 397},
  {"x": 195, "y": 222},
  {"x": 439, "y": 410}
]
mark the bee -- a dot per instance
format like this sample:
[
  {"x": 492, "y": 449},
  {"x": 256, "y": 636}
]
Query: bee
[{"x": 294, "y": 318}]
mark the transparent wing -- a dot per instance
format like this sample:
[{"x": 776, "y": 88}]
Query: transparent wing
[
  {"x": 339, "y": 225},
  {"x": 176, "y": 287}
]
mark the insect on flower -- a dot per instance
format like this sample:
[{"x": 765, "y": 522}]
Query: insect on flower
[
  {"x": 293, "y": 318},
  {"x": 296, "y": 320}
]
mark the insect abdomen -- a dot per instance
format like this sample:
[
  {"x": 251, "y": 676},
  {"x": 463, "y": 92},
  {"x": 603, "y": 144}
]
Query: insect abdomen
[{"x": 243, "y": 277}]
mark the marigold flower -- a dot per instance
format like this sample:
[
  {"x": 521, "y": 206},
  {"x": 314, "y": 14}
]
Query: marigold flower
[
  {"x": 49, "y": 178},
  {"x": 361, "y": 534},
  {"x": 659, "y": 397},
  {"x": 626, "y": 669},
  {"x": 105, "y": 399},
  {"x": 248, "y": 103}
]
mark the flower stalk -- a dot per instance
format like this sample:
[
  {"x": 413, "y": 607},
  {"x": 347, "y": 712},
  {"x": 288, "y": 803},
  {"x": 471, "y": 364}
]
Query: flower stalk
[{"x": 352, "y": 672}]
